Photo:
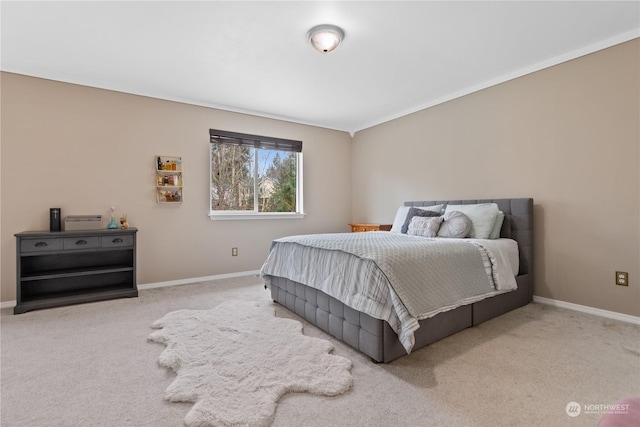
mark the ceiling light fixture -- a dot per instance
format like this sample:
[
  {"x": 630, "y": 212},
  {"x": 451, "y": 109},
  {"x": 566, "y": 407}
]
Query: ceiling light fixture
[{"x": 325, "y": 38}]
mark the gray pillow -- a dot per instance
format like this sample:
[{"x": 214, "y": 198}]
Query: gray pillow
[
  {"x": 416, "y": 212},
  {"x": 455, "y": 224},
  {"x": 425, "y": 227}
]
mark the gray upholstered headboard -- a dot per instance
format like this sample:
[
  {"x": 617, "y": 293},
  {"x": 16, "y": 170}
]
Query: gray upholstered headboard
[{"x": 517, "y": 225}]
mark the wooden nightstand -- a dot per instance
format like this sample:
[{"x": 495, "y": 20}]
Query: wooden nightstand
[{"x": 358, "y": 228}]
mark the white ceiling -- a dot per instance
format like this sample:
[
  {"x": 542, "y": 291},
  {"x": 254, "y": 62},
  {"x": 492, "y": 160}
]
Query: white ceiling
[{"x": 253, "y": 57}]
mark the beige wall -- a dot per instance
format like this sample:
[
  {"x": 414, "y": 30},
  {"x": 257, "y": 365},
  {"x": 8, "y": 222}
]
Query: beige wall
[
  {"x": 568, "y": 136},
  {"x": 84, "y": 150}
]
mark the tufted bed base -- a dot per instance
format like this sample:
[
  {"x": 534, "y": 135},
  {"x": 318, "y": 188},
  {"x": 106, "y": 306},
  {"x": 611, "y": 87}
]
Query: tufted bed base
[{"x": 375, "y": 338}]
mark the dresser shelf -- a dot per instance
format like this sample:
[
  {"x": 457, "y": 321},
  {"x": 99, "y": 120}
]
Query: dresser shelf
[{"x": 76, "y": 272}]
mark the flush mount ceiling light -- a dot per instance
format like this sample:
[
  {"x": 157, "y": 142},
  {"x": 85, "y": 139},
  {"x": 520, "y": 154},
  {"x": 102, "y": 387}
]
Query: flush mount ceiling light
[{"x": 325, "y": 38}]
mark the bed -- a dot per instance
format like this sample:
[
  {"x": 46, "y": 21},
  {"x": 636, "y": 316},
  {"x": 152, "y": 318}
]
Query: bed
[{"x": 375, "y": 337}]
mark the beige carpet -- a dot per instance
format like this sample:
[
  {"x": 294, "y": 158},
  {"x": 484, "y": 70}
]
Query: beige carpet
[{"x": 91, "y": 365}]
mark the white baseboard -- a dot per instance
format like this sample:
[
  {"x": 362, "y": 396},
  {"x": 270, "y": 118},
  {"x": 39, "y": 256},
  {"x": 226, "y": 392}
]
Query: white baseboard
[
  {"x": 8, "y": 304},
  {"x": 591, "y": 310},
  {"x": 11, "y": 304},
  {"x": 196, "y": 280}
]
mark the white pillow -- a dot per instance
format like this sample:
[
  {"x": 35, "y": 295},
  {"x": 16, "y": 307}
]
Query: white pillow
[
  {"x": 497, "y": 226},
  {"x": 424, "y": 226},
  {"x": 401, "y": 215},
  {"x": 482, "y": 216}
]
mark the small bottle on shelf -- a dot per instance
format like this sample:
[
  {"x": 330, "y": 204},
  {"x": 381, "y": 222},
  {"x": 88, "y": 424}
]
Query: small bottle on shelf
[{"x": 159, "y": 163}]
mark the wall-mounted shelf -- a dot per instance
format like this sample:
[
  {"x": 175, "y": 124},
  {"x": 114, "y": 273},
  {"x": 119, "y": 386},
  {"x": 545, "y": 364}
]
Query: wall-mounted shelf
[{"x": 169, "y": 186}]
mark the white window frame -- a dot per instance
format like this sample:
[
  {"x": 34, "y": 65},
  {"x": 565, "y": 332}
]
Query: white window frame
[{"x": 255, "y": 214}]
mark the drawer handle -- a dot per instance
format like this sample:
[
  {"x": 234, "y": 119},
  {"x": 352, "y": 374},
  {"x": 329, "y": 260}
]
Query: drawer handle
[
  {"x": 81, "y": 242},
  {"x": 41, "y": 244},
  {"x": 117, "y": 240}
]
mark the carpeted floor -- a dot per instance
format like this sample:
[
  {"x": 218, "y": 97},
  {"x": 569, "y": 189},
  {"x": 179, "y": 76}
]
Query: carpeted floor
[{"x": 91, "y": 365}]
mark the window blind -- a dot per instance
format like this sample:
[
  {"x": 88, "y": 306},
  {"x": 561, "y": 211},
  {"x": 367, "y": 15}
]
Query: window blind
[{"x": 255, "y": 141}]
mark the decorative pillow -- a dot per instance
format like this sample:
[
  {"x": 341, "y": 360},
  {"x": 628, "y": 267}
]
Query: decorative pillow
[
  {"x": 497, "y": 226},
  {"x": 424, "y": 226},
  {"x": 416, "y": 212},
  {"x": 482, "y": 216},
  {"x": 401, "y": 215},
  {"x": 455, "y": 224}
]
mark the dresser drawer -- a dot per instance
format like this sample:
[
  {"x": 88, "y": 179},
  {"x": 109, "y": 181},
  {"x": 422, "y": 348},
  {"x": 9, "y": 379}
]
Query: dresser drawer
[
  {"x": 82, "y": 242},
  {"x": 40, "y": 245},
  {"x": 117, "y": 241}
]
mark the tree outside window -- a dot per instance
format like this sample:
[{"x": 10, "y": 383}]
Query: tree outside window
[{"x": 254, "y": 175}]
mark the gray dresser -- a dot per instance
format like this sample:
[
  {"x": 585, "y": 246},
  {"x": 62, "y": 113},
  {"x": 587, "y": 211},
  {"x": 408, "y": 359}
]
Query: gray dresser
[{"x": 70, "y": 267}]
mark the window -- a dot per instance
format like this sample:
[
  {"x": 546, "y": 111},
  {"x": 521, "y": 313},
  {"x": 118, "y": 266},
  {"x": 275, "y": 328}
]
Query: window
[{"x": 254, "y": 176}]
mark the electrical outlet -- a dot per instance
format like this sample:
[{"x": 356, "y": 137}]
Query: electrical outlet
[
  {"x": 622, "y": 278},
  {"x": 234, "y": 251}
]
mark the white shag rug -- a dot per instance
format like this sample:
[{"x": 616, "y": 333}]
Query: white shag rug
[{"x": 236, "y": 360}]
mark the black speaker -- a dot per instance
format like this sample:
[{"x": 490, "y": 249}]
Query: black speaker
[{"x": 54, "y": 219}]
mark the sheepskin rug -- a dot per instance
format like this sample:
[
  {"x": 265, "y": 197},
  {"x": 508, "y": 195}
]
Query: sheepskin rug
[{"x": 236, "y": 360}]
